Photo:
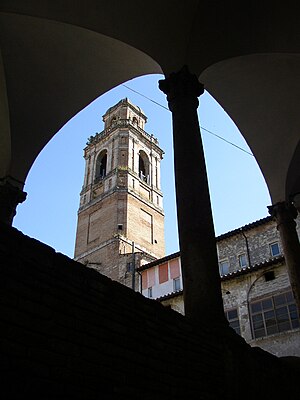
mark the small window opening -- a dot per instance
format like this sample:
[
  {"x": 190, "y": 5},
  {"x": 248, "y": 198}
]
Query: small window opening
[
  {"x": 120, "y": 227},
  {"x": 275, "y": 251},
  {"x": 269, "y": 276},
  {"x": 176, "y": 284},
  {"x": 224, "y": 267},
  {"x": 243, "y": 260},
  {"x": 150, "y": 292},
  {"x": 129, "y": 267}
]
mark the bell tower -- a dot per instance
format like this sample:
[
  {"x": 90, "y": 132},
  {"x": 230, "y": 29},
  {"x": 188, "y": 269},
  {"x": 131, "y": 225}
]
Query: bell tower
[{"x": 121, "y": 218}]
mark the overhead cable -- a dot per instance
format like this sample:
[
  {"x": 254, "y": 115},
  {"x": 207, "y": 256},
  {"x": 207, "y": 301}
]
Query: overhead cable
[{"x": 202, "y": 127}]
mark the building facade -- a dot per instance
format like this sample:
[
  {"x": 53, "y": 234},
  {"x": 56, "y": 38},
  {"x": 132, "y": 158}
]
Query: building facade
[
  {"x": 257, "y": 296},
  {"x": 121, "y": 218},
  {"x": 120, "y": 233}
]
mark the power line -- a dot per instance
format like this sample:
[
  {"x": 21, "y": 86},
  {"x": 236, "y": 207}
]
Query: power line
[
  {"x": 227, "y": 141},
  {"x": 148, "y": 98},
  {"x": 202, "y": 127}
]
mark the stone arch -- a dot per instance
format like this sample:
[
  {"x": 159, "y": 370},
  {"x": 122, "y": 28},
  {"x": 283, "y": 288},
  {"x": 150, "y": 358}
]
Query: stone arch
[
  {"x": 84, "y": 64},
  {"x": 144, "y": 167},
  {"x": 113, "y": 120},
  {"x": 101, "y": 165}
]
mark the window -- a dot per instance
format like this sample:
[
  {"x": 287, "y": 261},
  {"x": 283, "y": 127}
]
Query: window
[
  {"x": 176, "y": 284},
  {"x": 233, "y": 319},
  {"x": 274, "y": 248},
  {"x": 269, "y": 276},
  {"x": 224, "y": 267},
  {"x": 101, "y": 165},
  {"x": 163, "y": 273},
  {"x": 120, "y": 227},
  {"x": 274, "y": 314},
  {"x": 143, "y": 166},
  {"x": 174, "y": 268},
  {"x": 129, "y": 267},
  {"x": 150, "y": 292},
  {"x": 243, "y": 260}
]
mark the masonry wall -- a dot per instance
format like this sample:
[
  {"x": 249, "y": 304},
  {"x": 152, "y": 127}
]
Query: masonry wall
[
  {"x": 258, "y": 240},
  {"x": 146, "y": 226},
  {"x": 69, "y": 332},
  {"x": 281, "y": 344},
  {"x": 238, "y": 292},
  {"x": 99, "y": 222},
  {"x": 175, "y": 303}
]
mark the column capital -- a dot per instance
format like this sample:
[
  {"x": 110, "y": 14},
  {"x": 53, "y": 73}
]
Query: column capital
[
  {"x": 181, "y": 85},
  {"x": 10, "y": 197},
  {"x": 283, "y": 212}
]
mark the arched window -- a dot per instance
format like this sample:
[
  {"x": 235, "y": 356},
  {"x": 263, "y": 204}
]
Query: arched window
[
  {"x": 101, "y": 164},
  {"x": 143, "y": 166}
]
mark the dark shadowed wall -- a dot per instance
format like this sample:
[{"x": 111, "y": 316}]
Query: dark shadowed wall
[{"x": 69, "y": 332}]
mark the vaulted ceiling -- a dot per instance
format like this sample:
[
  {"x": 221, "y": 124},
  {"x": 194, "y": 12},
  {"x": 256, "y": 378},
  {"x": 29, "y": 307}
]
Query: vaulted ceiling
[{"x": 56, "y": 57}]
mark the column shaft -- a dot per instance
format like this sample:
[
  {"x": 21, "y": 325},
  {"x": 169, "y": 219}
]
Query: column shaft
[
  {"x": 202, "y": 287},
  {"x": 285, "y": 218}
]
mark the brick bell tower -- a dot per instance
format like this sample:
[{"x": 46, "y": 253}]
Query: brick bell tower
[{"x": 121, "y": 218}]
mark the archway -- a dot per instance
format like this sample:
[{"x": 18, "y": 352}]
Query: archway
[{"x": 101, "y": 166}]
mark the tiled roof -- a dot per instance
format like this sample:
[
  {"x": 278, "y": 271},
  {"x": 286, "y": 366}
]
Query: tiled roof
[
  {"x": 170, "y": 295},
  {"x": 158, "y": 261},
  {"x": 268, "y": 263},
  {"x": 218, "y": 238},
  {"x": 244, "y": 228}
]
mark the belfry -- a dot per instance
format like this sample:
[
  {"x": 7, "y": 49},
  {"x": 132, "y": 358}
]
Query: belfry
[{"x": 121, "y": 218}]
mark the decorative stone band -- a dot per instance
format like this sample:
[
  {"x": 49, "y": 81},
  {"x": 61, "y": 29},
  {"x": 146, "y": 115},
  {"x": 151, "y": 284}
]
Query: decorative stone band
[{"x": 122, "y": 123}]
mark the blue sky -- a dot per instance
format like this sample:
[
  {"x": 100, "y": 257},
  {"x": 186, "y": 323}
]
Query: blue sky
[{"x": 238, "y": 191}]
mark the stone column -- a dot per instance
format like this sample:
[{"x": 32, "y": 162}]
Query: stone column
[
  {"x": 201, "y": 279},
  {"x": 10, "y": 197},
  {"x": 285, "y": 215}
]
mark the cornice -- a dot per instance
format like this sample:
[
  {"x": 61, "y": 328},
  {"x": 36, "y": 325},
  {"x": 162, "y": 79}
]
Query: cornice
[{"x": 123, "y": 123}]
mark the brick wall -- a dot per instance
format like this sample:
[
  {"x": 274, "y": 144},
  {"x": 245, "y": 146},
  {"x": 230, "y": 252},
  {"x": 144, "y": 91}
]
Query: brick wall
[{"x": 69, "y": 332}]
